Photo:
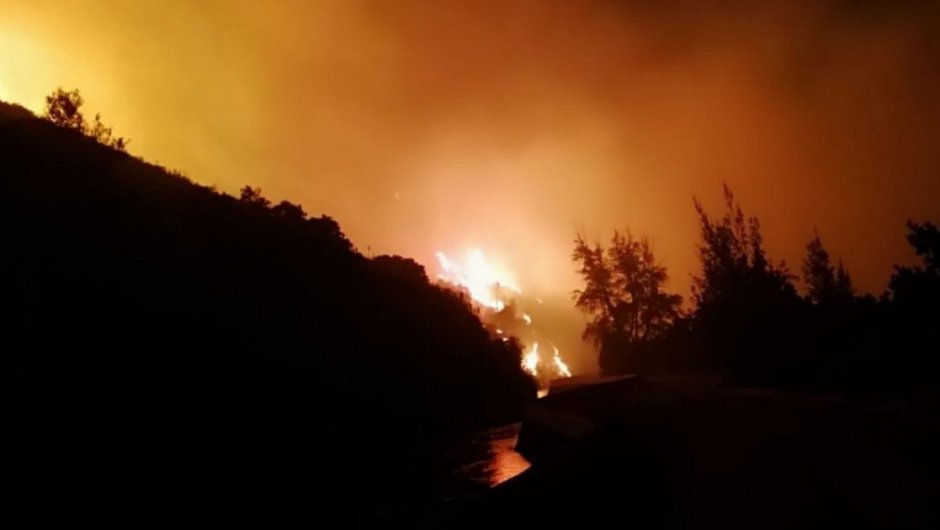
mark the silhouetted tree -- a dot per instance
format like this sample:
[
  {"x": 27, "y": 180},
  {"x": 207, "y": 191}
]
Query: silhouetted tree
[
  {"x": 919, "y": 286},
  {"x": 749, "y": 323},
  {"x": 825, "y": 284},
  {"x": 733, "y": 259},
  {"x": 746, "y": 306},
  {"x": 288, "y": 210},
  {"x": 253, "y": 197},
  {"x": 100, "y": 132},
  {"x": 915, "y": 294},
  {"x": 623, "y": 296},
  {"x": 925, "y": 238},
  {"x": 844, "y": 286},
  {"x": 64, "y": 109}
]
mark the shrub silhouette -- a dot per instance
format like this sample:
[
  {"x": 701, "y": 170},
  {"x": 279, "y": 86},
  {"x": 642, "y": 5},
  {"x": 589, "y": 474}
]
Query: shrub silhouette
[{"x": 63, "y": 108}]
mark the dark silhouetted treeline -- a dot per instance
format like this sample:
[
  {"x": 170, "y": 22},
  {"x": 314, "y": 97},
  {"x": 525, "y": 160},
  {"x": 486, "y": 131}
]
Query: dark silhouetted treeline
[
  {"x": 165, "y": 342},
  {"x": 623, "y": 294},
  {"x": 749, "y": 323}
]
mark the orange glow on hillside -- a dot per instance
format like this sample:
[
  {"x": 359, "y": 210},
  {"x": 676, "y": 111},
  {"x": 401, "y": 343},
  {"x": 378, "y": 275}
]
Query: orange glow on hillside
[
  {"x": 493, "y": 288},
  {"x": 489, "y": 285}
]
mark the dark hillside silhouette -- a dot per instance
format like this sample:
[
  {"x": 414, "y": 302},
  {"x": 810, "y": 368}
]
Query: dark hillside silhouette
[{"x": 163, "y": 341}]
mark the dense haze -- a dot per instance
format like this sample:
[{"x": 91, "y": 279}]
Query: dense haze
[{"x": 424, "y": 126}]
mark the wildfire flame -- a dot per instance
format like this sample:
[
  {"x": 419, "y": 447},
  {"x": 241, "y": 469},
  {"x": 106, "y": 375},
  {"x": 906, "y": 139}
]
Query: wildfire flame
[
  {"x": 487, "y": 285},
  {"x": 530, "y": 359},
  {"x": 492, "y": 287},
  {"x": 532, "y": 362},
  {"x": 560, "y": 365}
]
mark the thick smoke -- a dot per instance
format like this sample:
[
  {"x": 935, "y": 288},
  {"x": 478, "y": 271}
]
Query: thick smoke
[{"x": 512, "y": 125}]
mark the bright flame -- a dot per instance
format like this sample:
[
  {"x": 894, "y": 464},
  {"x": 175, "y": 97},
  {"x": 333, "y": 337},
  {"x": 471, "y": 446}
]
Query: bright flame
[
  {"x": 530, "y": 360},
  {"x": 560, "y": 365},
  {"x": 486, "y": 284},
  {"x": 532, "y": 363},
  {"x": 492, "y": 288}
]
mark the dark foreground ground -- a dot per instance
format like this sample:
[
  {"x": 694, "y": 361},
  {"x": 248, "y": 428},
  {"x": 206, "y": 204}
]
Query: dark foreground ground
[{"x": 687, "y": 453}]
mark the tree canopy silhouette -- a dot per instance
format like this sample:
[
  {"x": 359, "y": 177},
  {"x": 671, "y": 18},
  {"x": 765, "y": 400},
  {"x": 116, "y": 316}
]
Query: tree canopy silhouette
[
  {"x": 748, "y": 323},
  {"x": 824, "y": 283},
  {"x": 64, "y": 109},
  {"x": 623, "y": 296},
  {"x": 915, "y": 292},
  {"x": 735, "y": 266},
  {"x": 745, "y": 304},
  {"x": 925, "y": 240}
]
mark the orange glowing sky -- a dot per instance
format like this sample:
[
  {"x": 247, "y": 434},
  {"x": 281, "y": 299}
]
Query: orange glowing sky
[{"x": 425, "y": 125}]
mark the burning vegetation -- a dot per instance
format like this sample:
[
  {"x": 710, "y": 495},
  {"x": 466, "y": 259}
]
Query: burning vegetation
[{"x": 505, "y": 311}]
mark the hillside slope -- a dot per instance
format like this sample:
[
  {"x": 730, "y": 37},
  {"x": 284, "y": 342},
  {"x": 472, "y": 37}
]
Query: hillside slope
[{"x": 190, "y": 341}]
